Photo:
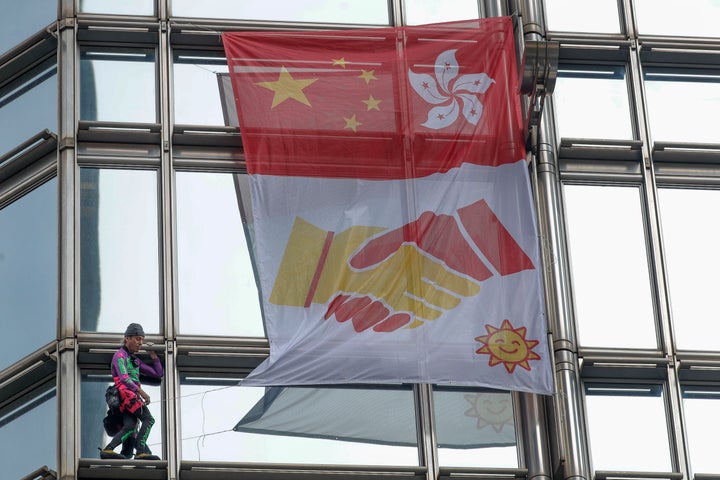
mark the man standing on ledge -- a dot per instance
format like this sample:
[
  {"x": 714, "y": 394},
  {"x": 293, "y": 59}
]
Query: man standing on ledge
[{"x": 126, "y": 369}]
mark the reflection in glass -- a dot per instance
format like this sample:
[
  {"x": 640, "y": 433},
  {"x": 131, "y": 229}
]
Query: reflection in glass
[
  {"x": 28, "y": 434},
  {"x": 609, "y": 261},
  {"x": 622, "y": 417},
  {"x": 691, "y": 18},
  {"x": 119, "y": 243},
  {"x": 598, "y": 16},
  {"x": 604, "y": 89},
  {"x": 301, "y": 425},
  {"x": 702, "y": 423},
  {"x": 419, "y": 12},
  {"x": 692, "y": 99},
  {"x": 28, "y": 106},
  {"x": 692, "y": 258},
  {"x": 475, "y": 428},
  {"x": 118, "y": 85},
  {"x": 371, "y": 12},
  {"x": 126, "y": 7},
  {"x": 28, "y": 272},
  {"x": 93, "y": 409},
  {"x": 27, "y": 17},
  {"x": 217, "y": 293},
  {"x": 198, "y": 83}
]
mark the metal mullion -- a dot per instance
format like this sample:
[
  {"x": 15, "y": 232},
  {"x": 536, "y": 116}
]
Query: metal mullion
[
  {"x": 657, "y": 259},
  {"x": 650, "y": 210},
  {"x": 427, "y": 439},
  {"x": 171, "y": 430},
  {"x": 534, "y": 447},
  {"x": 495, "y": 8},
  {"x": 68, "y": 261},
  {"x": 628, "y": 22},
  {"x": 396, "y": 13},
  {"x": 571, "y": 458},
  {"x": 678, "y": 432}
]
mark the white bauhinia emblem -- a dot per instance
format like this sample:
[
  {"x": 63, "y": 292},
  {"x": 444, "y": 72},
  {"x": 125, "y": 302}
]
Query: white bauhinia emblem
[{"x": 448, "y": 92}]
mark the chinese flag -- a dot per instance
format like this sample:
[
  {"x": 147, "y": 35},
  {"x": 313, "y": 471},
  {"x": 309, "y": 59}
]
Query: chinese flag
[{"x": 394, "y": 224}]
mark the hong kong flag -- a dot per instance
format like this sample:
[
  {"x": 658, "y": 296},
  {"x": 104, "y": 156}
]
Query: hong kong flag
[{"x": 394, "y": 224}]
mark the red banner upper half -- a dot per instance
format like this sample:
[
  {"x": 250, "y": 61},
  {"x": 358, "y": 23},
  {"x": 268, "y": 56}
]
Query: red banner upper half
[{"x": 385, "y": 103}]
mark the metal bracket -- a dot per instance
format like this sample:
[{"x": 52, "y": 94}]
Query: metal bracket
[
  {"x": 539, "y": 74},
  {"x": 66, "y": 344}
]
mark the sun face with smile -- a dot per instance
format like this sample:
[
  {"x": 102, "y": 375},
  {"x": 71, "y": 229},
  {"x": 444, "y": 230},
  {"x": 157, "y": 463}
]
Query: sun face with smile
[
  {"x": 490, "y": 409},
  {"x": 507, "y": 345}
]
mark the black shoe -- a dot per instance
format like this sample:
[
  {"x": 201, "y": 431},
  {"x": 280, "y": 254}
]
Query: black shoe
[
  {"x": 143, "y": 452},
  {"x": 108, "y": 454},
  {"x": 146, "y": 456}
]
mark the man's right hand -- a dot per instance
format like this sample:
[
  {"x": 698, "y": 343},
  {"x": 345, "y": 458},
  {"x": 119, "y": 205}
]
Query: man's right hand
[{"x": 144, "y": 396}]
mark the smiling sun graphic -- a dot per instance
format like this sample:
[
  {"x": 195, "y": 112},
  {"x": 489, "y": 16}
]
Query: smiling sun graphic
[
  {"x": 507, "y": 345},
  {"x": 491, "y": 409}
]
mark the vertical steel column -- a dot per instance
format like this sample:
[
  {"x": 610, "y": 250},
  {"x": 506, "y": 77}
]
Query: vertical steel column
[
  {"x": 171, "y": 431},
  {"x": 396, "y": 12},
  {"x": 571, "y": 458},
  {"x": 426, "y": 430},
  {"x": 67, "y": 373},
  {"x": 495, "y": 8},
  {"x": 638, "y": 101},
  {"x": 531, "y": 407}
]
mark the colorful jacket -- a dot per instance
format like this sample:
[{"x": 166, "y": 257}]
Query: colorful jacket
[{"x": 126, "y": 369}]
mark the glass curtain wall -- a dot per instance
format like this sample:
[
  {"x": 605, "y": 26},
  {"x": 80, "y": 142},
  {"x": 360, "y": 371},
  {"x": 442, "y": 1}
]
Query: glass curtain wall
[
  {"x": 638, "y": 169},
  {"x": 124, "y": 198}
]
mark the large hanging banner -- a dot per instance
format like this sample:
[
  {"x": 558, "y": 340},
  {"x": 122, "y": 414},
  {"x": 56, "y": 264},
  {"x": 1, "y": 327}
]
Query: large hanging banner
[
  {"x": 382, "y": 415},
  {"x": 394, "y": 226}
]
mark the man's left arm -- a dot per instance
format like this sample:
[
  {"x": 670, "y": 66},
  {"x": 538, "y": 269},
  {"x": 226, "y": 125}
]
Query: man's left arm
[{"x": 152, "y": 370}]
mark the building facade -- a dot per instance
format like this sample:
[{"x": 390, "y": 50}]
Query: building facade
[{"x": 124, "y": 198}]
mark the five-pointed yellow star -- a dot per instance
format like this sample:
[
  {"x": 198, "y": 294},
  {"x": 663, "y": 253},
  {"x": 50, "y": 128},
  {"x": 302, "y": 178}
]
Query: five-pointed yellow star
[
  {"x": 352, "y": 123},
  {"x": 372, "y": 103},
  {"x": 287, "y": 87},
  {"x": 368, "y": 75},
  {"x": 340, "y": 61}
]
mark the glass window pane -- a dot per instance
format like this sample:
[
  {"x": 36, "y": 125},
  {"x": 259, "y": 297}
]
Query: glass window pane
[
  {"x": 93, "y": 409},
  {"x": 118, "y": 85},
  {"x": 217, "y": 293},
  {"x": 372, "y": 12},
  {"x": 301, "y": 425},
  {"x": 126, "y": 7},
  {"x": 23, "y": 453},
  {"x": 702, "y": 424},
  {"x": 609, "y": 118},
  {"x": 620, "y": 419},
  {"x": 119, "y": 266},
  {"x": 25, "y": 19},
  {"x": 28, "y": 107},
  {"x": 419, "y": 12},
  {"x": 202, "y": 90},
  {"x": 598, "y": 16},
  {"x": 475, "y": 428},
  {"x": 609, "y": 260},
  {"x": 675, "y": 95},
  {"x": 692, "y": 257},
  {"x": 28, "y": 272},
  {"x": 693, "y": 18}
]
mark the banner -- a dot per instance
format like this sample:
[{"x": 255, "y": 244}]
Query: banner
[
  {"x": 394, "y": 223},
  {"x": 384, "y": 416}
]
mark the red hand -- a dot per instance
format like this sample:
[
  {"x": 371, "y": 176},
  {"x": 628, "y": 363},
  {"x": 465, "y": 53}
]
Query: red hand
[{"x": 437, "y": 235}]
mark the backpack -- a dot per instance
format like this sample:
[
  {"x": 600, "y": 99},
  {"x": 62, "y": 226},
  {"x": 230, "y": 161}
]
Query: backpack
[
  {"x": 113, "y": 421},
  {"x": 112, "y": 397}
]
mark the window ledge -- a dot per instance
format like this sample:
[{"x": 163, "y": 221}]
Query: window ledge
[{"x": 96, "y": 469}]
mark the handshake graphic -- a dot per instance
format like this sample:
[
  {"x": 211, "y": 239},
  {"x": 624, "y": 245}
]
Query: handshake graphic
[{"x": 388, "y": 279}]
